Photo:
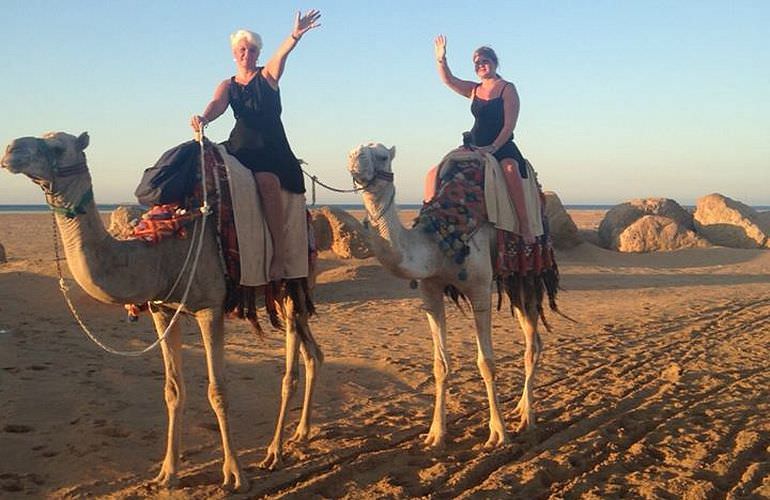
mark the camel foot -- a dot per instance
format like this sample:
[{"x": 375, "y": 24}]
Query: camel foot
[
  {"x": 166, "y": 479},
  {"x": 496, "y": 439},
  {"x": 527, "y": 422},
  {"x": 301, "y": 435},
  {"x": 233, "y": 477},
  {"x": 435, "y": 441},
  {"x": 273, "y": 460}
]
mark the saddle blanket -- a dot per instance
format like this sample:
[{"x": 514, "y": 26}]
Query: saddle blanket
[{"x": 254, "y": 242}]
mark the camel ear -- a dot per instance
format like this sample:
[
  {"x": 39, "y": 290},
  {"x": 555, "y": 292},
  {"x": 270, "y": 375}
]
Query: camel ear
[
  {"x": 392, "y": 152},
  {"x": 83, "y": 140}
]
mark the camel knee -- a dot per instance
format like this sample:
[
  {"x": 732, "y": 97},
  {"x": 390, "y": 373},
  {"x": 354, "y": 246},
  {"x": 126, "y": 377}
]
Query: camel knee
[
  {"x": 441, "y": 371},
  {"x": 487, "y": 368},
  {"x": 174, "y": 394},
  {"x": 289, "y": 383},
  {"x": 217, "y": 397}
]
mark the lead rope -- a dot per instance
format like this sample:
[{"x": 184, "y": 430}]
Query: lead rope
[{"x": 205, "y": 211}]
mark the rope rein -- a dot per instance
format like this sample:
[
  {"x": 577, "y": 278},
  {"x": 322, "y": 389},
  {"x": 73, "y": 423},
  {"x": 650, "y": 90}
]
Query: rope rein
[{"x": 206, "y": 211}]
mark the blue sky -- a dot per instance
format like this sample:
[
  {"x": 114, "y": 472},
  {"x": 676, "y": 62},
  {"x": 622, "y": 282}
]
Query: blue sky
[{"x": 620, "y": 99}]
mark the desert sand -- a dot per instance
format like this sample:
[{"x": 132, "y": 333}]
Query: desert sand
[{"x": 660, "y": 389}]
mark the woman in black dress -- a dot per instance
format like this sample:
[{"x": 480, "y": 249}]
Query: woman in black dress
[
  {"x": 495, "y": 107},
  {"x": 258, "y": 139}
]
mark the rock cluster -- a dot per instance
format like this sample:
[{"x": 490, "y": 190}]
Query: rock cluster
[
  {"x": 122, "y": 221},
  {"x": 564, "y": 231},
  {"x": 336, "y": 230},
  {"x": 653, "y": 224}
]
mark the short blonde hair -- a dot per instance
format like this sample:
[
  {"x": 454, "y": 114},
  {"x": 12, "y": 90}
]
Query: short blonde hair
[{"x": 251, "y": 37}]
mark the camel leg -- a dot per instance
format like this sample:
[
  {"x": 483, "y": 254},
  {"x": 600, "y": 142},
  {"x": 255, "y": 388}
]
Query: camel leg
[
  {"x": 533, "y": 348},
  {"x": 274, "y": 458},
  {"x": 212, "y": 324},
  {"x": 174, "y": 391},
  {"x": 313, "y": 359},
  {"x": 482, "y": 314},
  {"x": 434, "y": 306},
  {"x": 270, "y": 195}
]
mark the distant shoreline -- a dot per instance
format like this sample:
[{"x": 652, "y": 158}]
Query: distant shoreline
[{"x": 109, "y": 207}]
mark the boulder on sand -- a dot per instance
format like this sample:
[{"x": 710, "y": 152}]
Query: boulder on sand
[
  {"x": 619, "y": 217},
  {"x": 653, "y": 233},
  {"x": 727, "y": 222},
  {"x": 349, "y": 239},
  {"x": 564, "y": 231},
  {"x": 322, "y": 230},
  {"x": 122, "y": 221}
]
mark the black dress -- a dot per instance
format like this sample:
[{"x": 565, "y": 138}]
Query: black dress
[
  {"x": 258, "y": 139},
  {"x": 489, "y": 117}
]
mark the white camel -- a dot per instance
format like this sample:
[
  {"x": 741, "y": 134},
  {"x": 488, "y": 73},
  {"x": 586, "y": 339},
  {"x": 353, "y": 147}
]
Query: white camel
[
  {"x": 131, "y": 272},
  {"x": 414, "y": 254}
]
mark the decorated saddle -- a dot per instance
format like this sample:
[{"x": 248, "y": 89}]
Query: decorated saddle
[
  {"x": 471, "y": 191},
  {"x": 245, "y": 242}
]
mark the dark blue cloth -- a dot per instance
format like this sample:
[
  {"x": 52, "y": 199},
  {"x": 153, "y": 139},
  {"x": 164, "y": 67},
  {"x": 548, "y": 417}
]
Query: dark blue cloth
[{"x": 172, "y": 178}]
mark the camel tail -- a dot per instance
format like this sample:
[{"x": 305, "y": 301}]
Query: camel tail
[{"x": 298, "y": 291}]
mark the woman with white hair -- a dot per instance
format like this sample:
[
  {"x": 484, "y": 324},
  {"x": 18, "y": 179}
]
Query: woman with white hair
[{"x": 258, "y": 139}]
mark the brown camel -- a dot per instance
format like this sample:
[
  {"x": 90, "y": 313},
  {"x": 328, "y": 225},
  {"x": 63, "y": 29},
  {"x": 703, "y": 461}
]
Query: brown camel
[
  {"x": 130, "y": 272},
  {"x": 414, "y": 254}
]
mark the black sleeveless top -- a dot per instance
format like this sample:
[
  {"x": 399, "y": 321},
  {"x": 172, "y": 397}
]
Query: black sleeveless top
[
  {"x": 258, "y": 139},
  {"x": 489, "y": 117}
]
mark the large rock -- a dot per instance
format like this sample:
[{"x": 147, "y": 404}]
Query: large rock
[
  {"x": 322, "y": 230},
  {"x": 3, "y": 259},
  {"x": 619, "y": 217},
  {"x": 122, "y": 221},
  {"x": 564, "y": 231},
  {"x": 652, "y": 233},
  {"x": 727, "y": 222},
  {"x": 348, "y": 237}
]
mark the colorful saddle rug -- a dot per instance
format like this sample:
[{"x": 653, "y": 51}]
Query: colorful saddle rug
[
  {"x": 457, "y": 211},
  {"x": 171, "y": 221}
]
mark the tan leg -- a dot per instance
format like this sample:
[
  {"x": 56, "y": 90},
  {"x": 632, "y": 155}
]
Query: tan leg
[
  {"x": 270, "y": 193},
  {"x": 174, "y": 391},
  {"x": 313, "y": 359},
  {"x": 516, "y": 191},
  {"x": 482, "y": 314},
  {"x": 211, "y": 323},
  {"x": 533, "y": 348},
  {"x": 432, "y": 296},
  {"x": 274, "y": 458}
]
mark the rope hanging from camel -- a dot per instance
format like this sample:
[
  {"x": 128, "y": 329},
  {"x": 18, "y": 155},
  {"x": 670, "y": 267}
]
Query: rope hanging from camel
[
  {"x": 205, "y": 211},
  {"x": 355, "y": 189}
]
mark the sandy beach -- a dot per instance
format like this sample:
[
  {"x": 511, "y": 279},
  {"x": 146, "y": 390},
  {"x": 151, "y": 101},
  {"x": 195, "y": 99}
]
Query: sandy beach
[{"x": 660, "y": 389}]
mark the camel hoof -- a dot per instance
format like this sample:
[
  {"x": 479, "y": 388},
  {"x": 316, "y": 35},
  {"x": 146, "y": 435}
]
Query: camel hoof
[
  {"x": 526, "y": 424},
  {"x": 496, "y": 440},
  {"x": 435, "y": 442},
  {"x": 299, "y": 437},
  {"x": 232, "y": 479},
  {"x": 272, "y": 461},
  {"x": 166, "y": 479}
]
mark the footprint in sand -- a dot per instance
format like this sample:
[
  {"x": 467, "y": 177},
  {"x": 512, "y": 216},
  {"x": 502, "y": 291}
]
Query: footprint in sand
[{"x": 17, "y": 428}]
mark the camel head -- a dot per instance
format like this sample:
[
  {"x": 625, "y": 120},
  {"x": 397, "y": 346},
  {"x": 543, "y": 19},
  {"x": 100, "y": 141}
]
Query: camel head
[
  {"x": 371, "y": 161},
  {"x": 45, "y": 158}
]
